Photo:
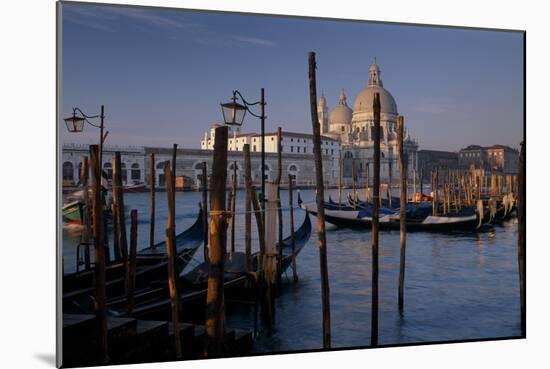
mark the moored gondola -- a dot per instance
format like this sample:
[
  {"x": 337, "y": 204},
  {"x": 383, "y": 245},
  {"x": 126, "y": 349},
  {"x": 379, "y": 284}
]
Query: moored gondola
[
  {"x": 154, "y": 302},
  {"x": 418, "y": 219},
  {"x": 150, "y": 263}
]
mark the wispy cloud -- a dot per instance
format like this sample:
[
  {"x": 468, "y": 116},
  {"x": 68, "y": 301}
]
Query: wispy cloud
[
  {"x": 254, "y": 40},
  {"x": 105, "y": 18},
  {"x": 176, "y": 26}
]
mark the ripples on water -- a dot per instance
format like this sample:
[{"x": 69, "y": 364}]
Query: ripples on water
[{"x": 461, "y": 286}]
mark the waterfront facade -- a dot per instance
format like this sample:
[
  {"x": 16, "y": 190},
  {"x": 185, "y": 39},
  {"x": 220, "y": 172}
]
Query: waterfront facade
[
  {"x": 497, "y": 158},
  {"x": 355, "y": 130},
  {"x": 136, "y": 164},
  {"x": 132, "y": 163},
  {"x": 430, "y": 160}
]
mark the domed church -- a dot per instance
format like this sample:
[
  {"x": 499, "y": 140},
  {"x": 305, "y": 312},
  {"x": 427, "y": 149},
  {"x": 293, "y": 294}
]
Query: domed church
[{"x": 355, "y": 130}]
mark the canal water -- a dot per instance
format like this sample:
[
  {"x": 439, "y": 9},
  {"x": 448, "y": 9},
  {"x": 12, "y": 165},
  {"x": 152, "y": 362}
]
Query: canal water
[{"x": 457, "y": 286}]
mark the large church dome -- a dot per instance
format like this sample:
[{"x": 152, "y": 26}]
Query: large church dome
[
  {"x": 341, "y": 113},
  {"x": 363, "y": 101}
]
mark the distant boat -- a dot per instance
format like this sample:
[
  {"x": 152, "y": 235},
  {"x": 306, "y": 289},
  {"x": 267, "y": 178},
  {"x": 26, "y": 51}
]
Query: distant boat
[{"x": 134, "y": 187}]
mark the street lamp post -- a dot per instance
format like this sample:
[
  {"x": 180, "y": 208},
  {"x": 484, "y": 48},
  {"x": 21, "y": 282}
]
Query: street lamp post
[
  {"x": 75, "y": 123},
  {"x": 233, "y": 115}
]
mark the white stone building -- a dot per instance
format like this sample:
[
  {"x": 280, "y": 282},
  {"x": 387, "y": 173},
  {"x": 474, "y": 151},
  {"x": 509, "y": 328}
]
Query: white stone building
[
  {"x": 293, "y": 145},
  {"x": 355, "y": 129},
  {"x": 132, "y": 163}
]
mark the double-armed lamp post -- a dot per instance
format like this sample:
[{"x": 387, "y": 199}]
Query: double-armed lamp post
[{"x": 233, "y": 115}]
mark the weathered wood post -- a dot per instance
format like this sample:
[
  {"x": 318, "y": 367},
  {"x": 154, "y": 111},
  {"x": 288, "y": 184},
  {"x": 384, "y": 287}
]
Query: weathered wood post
[
  {"x": 321, "y": 229},
  {"x": 414, "y": 181},
  {"x": 248, "y": 209},
  {"x": 367, "y": 180},
  {"x": 340, "y": 175},
  {"x": 87, "y": 223},
  {"x": 118, "y": 197},
  {"x": 116, "y": 234},
  {"x": 233, "y": 206},
  {"x": 152, "y": 183},
  {"x": 205, "y": 209},
  {"x": 99, "y": 256},
  {"x": 215, "y": 305},
  {"x": 374, "y": 232},
  {"x": 353, "y": 185},
  {"x": 521, "y": 235},
  {"x": 388, "y": 187},
  {"x": 270, "y": 266},
  {"x": 292, "y": 236},
  {"x": 402, "y": 211},
  {"x": 131, "y": 266},
  {"x": 279, "y": 205},
  {"x": 171, "y": 255}
]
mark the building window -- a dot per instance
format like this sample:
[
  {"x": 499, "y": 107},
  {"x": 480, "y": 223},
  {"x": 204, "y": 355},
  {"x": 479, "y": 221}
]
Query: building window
[
  {"x": 254, "y": 147},
  {"x": 136, "y": 172},
  {"x": 68, "y": 171},
  {"x": 298, "y": 149},
  {"x": 342, "y": 128}
]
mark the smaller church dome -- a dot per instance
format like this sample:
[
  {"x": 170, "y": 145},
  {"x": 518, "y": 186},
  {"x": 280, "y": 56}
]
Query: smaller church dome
[{"x": 341, "y": 113}]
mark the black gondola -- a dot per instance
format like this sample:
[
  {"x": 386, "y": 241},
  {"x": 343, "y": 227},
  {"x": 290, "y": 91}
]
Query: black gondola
[
  {"x": 150, "y": 264},
  {"x": 464, "y": 221},
  {"x": 154, "y": 302}
]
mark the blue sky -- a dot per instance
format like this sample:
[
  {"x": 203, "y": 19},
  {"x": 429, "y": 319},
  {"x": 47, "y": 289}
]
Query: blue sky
[{"x": 162, "y": 73}]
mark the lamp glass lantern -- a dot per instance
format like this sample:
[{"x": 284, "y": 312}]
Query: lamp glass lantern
[
  {"x": 75, "y": 123},
  {"x": 233, "y": 113}
]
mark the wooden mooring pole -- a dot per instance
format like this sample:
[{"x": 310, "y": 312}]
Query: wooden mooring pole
[
  {"x": 374, "y": 232},
  {"x": 521, "y": 236},
  {"x": 270, "y": 266},
  {"x": 388, "y": 187},
  {"x": 100, "y": 303},
  {"x": 131, "y": 265},
  {"x": 402, "y": 211},
  {"x": 152, "y": 183},
  {"x": 215, "y": 305},
  {"x": 320, "y": 197},
  {"x": 248, "y": 209},
  {"x": 87, "y": 223},
  {"x": 233, "y": 206},
  {"x": 118, "y": 198},
  {"x": 279, "y": 206},
  {"x": 171, "y": 256},
  {"x": 292, "y": 236},
  {"x": 340, "y": 175},
  {"x": 205, "y": 210}
]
